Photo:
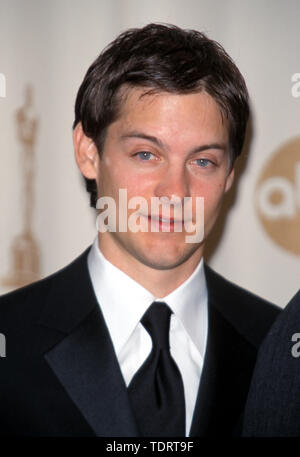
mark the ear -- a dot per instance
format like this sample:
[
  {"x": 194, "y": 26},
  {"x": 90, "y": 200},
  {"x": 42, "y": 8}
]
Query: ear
[
  {"x": 86, "y": 153},
  {"x": 229, "y": 180}
]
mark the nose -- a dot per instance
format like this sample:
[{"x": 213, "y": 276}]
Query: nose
[{"x": 173, "y": 181}]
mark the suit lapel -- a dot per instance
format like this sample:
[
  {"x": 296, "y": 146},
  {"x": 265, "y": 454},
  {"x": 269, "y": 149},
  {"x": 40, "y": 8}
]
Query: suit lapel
[
  {"x": 83, "y": 359},
  {"x": 227, "y": 370}
]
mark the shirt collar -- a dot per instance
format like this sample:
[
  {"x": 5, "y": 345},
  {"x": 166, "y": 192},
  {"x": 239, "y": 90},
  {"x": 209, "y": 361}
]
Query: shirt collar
[
  {"x": 123, "y": 301},
  {"x": 189, "y": 304}
]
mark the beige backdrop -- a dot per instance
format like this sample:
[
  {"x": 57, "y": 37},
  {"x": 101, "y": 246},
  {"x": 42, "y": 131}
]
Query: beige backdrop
[{"x": 50, "y": 44}]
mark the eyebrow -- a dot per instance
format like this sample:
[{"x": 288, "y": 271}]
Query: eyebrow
[
  {"x": 161, "y": 144},
  {"x": 143, "y": 136}
]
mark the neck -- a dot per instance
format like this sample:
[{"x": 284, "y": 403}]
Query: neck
[{"x": 160, "y": 282}]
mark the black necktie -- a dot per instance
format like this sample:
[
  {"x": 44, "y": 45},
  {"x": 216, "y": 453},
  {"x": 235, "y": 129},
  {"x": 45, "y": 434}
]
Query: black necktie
[{"x": 156, "y": 390}]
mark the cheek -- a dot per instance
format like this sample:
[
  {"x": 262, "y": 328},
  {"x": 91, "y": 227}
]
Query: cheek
[
  {"x": 113, "y": 178},
  {"x": 213, "y": 196}
]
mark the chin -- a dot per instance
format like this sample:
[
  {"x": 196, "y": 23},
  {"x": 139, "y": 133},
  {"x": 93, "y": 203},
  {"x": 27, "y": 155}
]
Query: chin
[{"x": 164, "y": 258}]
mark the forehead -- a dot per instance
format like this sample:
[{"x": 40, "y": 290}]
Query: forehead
[{"x": 170, "y": 113}]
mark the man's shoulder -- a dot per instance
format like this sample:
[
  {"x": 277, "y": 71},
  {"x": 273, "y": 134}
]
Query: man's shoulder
[
  {"x": 30, "y": 298},
  {"x": 250, "y": 314}
]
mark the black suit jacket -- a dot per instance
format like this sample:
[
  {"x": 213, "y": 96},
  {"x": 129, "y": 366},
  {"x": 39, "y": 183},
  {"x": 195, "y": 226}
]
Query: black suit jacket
[
  {"x": 273, "y": 406},
  {"x": 61, "y": 376}
]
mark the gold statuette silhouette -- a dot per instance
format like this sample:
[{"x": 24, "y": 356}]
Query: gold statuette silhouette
[{"x": 24, "y": 249}]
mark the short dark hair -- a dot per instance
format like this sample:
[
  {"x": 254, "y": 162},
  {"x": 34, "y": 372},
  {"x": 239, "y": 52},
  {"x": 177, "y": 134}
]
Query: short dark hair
[{"x": 166, "y": 58}]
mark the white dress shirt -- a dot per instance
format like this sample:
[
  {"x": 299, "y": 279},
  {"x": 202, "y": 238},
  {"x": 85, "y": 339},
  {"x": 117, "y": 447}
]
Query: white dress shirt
[{"x": 123, "y": 302}]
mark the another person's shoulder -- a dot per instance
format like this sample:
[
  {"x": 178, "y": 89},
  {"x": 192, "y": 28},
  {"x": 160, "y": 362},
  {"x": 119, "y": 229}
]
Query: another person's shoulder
[
  {"x": 275, "y": 385},
  {"x": 252, "y": 315},
  {"x": 294, "y": 305},
  {"x": 288, "y": 320}
]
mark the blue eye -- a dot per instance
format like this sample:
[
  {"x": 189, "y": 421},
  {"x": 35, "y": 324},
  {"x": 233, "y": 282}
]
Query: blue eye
[
  {"x": 203, "y": 163},
  {"x": 144, "y": 155}
]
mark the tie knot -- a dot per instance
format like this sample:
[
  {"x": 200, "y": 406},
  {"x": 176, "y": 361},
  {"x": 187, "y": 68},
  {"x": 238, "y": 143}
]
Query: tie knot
[{"x": 156, "y": 321}]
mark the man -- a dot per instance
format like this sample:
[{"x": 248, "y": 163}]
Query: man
[
  {"x": 138, "y": 337},
  {"x": 273, "y": 406}
]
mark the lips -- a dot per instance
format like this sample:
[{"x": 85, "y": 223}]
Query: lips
[
  {"x": 159, "y": 223},
  {"x": 163, "y": 220}
]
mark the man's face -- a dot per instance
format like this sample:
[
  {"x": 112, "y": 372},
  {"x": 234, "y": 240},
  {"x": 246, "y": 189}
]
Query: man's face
[{"x": 164, "y": 145}]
